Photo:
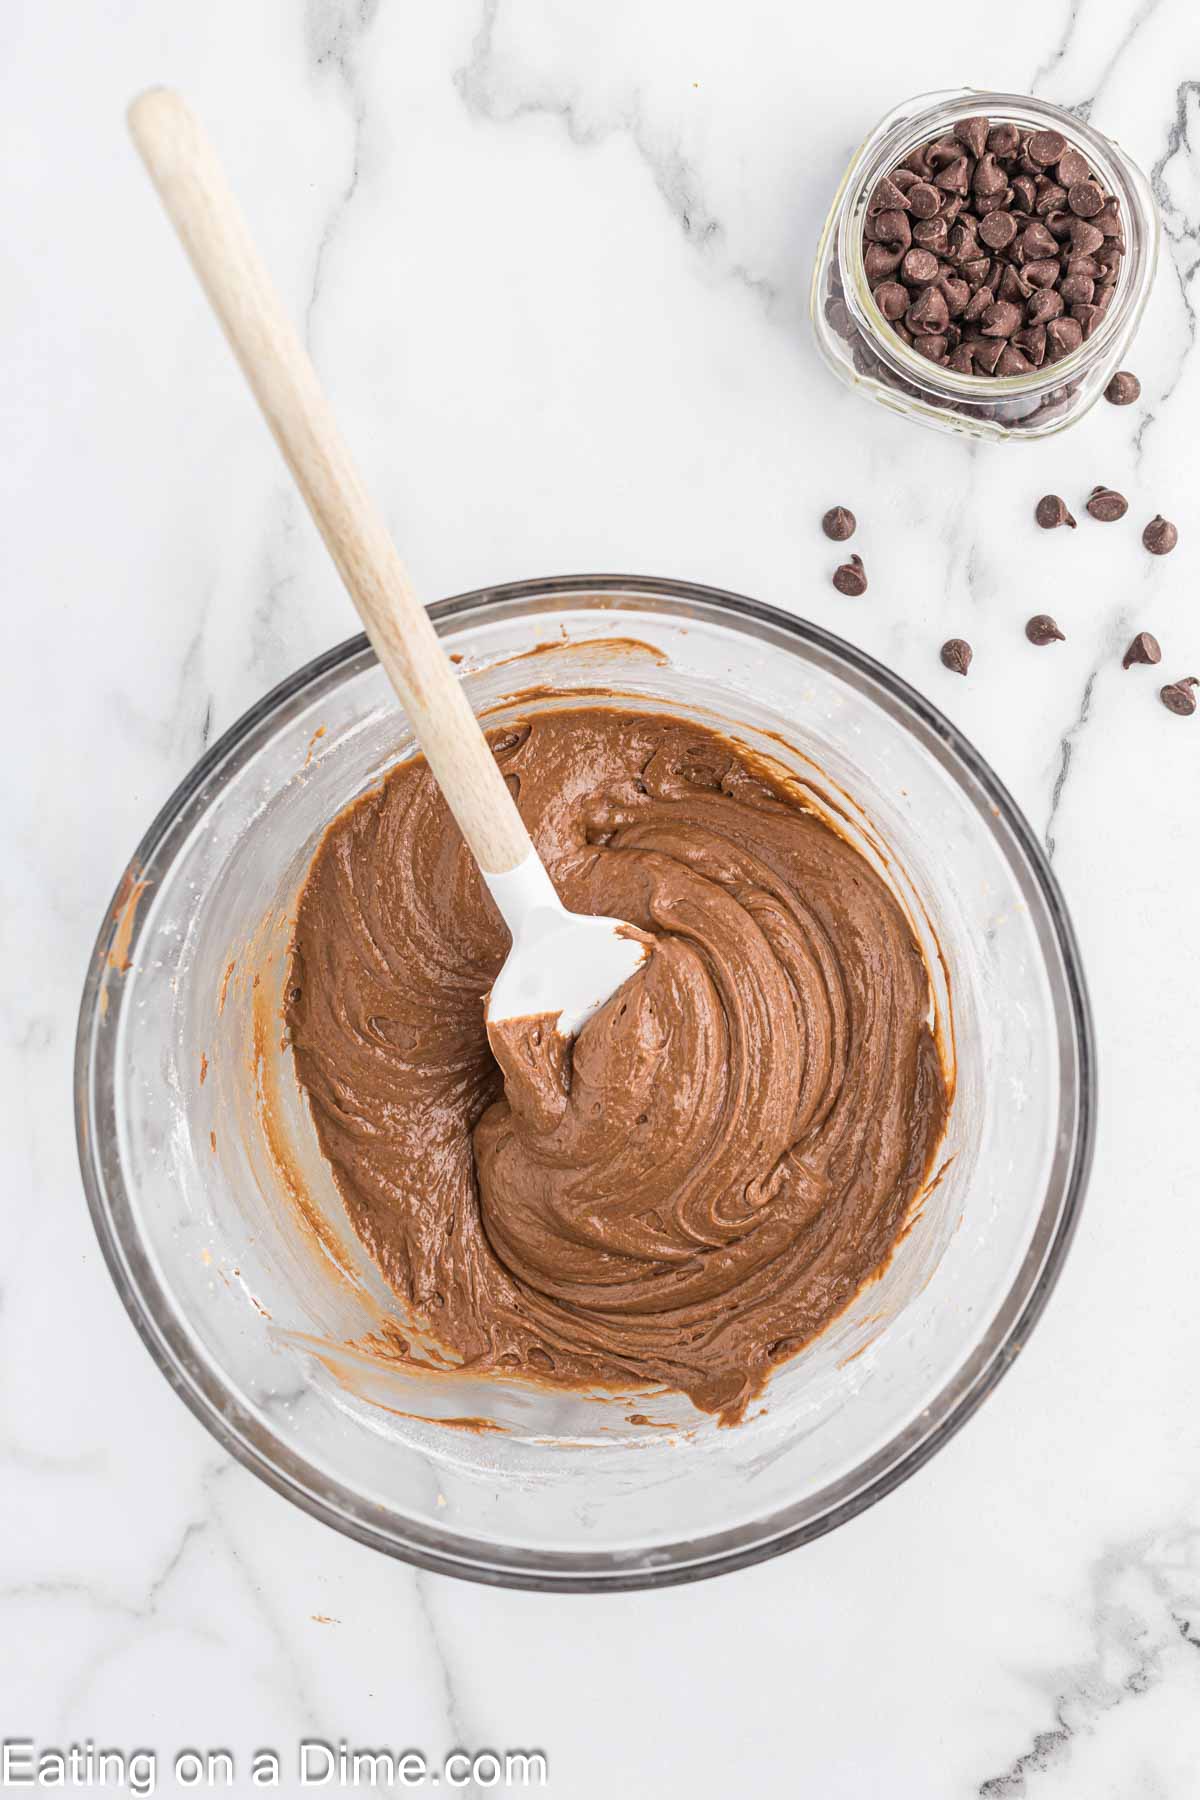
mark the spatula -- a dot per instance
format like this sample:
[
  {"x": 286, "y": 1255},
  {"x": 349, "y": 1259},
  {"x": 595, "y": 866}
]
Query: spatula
[{"x": 562, "y": 964}]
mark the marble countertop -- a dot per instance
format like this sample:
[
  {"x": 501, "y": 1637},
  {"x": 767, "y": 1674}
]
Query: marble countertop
[{"x": 552, "y": 261}]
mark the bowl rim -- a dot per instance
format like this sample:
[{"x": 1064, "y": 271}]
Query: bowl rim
[{"x": 245, "y": 1435}]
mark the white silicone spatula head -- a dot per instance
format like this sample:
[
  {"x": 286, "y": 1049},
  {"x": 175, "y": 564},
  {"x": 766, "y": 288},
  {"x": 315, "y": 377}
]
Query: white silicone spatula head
[{"x": 562, "y": 964}]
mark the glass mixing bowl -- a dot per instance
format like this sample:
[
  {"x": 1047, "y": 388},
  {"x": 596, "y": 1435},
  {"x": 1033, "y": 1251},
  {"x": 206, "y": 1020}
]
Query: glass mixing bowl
[{"x": 230, "y": 1247}]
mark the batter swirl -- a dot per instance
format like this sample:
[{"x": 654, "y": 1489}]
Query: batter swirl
[{"x": 729, "y": 1149}]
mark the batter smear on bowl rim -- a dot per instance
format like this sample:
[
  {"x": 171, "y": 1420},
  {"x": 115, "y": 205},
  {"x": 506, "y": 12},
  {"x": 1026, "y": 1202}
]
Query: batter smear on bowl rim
[{"x": 696, "y": 1186}]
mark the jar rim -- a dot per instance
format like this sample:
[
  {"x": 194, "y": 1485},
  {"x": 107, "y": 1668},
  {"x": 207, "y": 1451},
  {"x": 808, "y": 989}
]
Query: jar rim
[{"x": 902, "y": 131}]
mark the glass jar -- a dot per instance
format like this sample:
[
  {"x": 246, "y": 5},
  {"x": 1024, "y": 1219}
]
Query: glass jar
[{"x": 862, "y": 348}]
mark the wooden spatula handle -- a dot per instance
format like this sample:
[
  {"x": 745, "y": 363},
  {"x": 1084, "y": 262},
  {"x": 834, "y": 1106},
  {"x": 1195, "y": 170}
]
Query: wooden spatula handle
[{"x": 193, "y": 188}]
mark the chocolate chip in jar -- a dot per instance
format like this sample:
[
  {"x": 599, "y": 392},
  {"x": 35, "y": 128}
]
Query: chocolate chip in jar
[{"x": 1008, "y": 231}]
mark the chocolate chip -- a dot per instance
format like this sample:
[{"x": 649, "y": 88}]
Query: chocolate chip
[
  {"x": 1160, "y": 536},
  {"x": 891, "y": 297},
  {"x": 1051, "y": 511},
  {"x": 1077, "y": 290},
  {"x": 1001, "y": 319},
  {"x": 888, "y": 197},
  {"x": 1037, "y": 242},
  {"x": 1063, "y": 336},
  {"x": 879, "y": 262},
  {"x": 1024, "y": 190},
  {"x": 942, "y": 152},
  {"x": 1178, "y": 696},
  {"x": 956, "y": 293},
  {"x": 1049, "y": 198},
  {"x": 1003, "y": 140},
  {"x": 1044, "y": 306},
  {"x": 973, "y": 133},
  {"x": 1085, "y": 199},
  {"x": 956, "y": 655},
  {"x": 1086, "y": 239},
  {"x": 988, "y": 352},
  {"x": 955, "y": 178},
  {"x": 1072, "y": 167},
  {"x": 1107, "y": 505},
  {"x": 929, "y": 314},
  {"x": 1123, "y": 389},
  {"x": 839, "y": 524},
  {"x": 1041, "y": 274},
  {"x": 1014, "y": 285},
  {"x": 932, "y": 234},
  {"x": 998, "y": 230},
  {"x": 923, "y": 200},
  {"x": 1089, "y": 317},
  {"x": 919, "y": 267},
  {"x": 850, "y": 578},
  {"x": 989, "y": 178},
  {"x": 1045, "y": 148},
  {"x": 1041, "y": 629},
  {"x": 1143, "y": 649},
  {"x": 893, "y": 228},
  {"x": 1032, "y": 343},
  {"x": 1013, "y": 361}
]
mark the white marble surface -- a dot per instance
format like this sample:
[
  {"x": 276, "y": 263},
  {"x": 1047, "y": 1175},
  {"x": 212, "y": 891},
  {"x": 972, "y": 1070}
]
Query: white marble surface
[{"x": 552, "y": 260}]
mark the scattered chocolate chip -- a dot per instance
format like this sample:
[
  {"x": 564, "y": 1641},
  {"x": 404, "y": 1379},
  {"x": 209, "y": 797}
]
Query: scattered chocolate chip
[
  {"x": 839, "y": 524},
  {"x": 1160, "y": 536},
  {"x": 956, "y": 655},
  {"x": 1143, "y": 649},
  {"x": 1052, "y": 511},
  {"x": 1178, "y": 696},
  {"x": 1107, "y": 505},
  {"x": 850, "y": 578},
  {"x": 1041, "y": 629}
]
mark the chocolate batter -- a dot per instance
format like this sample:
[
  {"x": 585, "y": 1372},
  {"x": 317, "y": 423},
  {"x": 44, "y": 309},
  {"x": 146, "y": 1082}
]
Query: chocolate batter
[{"x": 730, "y": 1148}]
